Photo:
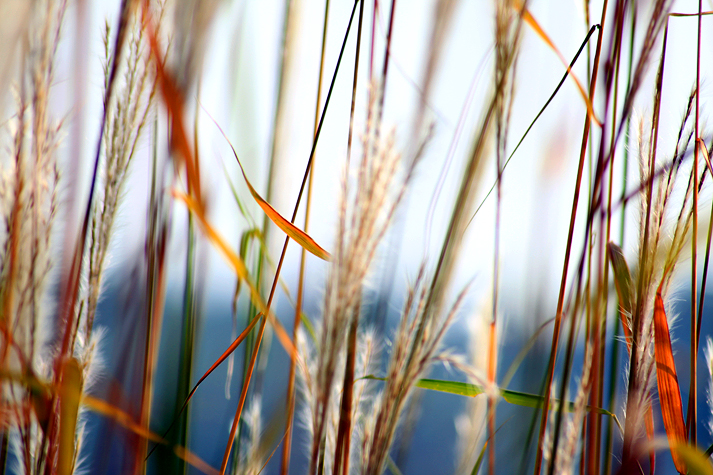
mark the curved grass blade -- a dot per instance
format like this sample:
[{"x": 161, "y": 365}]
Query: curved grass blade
[
  {"x": 552, "y": 96},
  {"x": 125, "y": 420},
  {"x": 393, "y": 468},
  {"x": 622, "y": 276},
  {"x": 217, "y": 363},
  {"x": 704, "y": 152},
  {"x": 530, "y": 20},
  {"x": 241, "y": 206},
  {"x": 239, "y": 267},
  {"x": 479, "y": 462},
  {"x": 297, "y": 235},
  {"x": 667, "y": 382}
]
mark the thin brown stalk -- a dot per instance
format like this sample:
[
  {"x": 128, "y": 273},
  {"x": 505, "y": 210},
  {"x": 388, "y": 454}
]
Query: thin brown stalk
[
  {"x": 691, "y": 423},
  {"x": 701, "y": 298},
  {"x": 157, "y": 287},
  {"x": 504, "y": 74},
  {"x": 246, "y": 384},
  {"x": 287, "y": 445},
  {"x": 387, "y": 56},
  {"x": 639, "y": 373},
  {"x": 570, "y": 236},
  {"x": 342, "y": 453}
]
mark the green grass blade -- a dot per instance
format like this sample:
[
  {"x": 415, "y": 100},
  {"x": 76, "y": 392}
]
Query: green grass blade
[
  {"x": 622, "y": 277},
  {"x": 479, "y": 462},
  {"x": 391, "y": 465},
  {"x": 512, "y": 397}
]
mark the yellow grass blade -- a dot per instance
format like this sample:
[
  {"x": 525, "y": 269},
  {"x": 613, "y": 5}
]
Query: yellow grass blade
[
  {"x": 530, "y": 20},
  {"x": 69, "y": 392},
  {"x": 297, "y": 235},
  {"x": 667, "y": 381},
  {"x": 696, "y": 461}
]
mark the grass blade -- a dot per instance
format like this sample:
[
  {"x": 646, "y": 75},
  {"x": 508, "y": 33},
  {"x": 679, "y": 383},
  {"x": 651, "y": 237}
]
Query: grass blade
[
  {"x": 624, "y": 288},
  {"x": 625, "y": 292},
  {"x": 696, "y": 462},
  {"x": 530, "y": 20},
  {"x": 239, "y": 267},
  {"x": 516, "y": 398},
  {"x": 481, "y": 456},
  {"x": 667, "y": 381},
  {"x": 120, "y": 417},
  {"x": 125, "y": 420},
  {"x": 297, "y": 235},
  {"x": 542, "y": 110},
  {"x": 70, "y": 391}
]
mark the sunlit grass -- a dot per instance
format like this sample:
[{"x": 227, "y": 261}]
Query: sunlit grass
[{"x": 611, "y": 395}]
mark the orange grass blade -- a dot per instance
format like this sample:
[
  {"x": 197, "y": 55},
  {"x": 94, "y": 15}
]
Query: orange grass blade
[
  {"x": 120, "y": 417},
  {"x": 174, "y": 103},
  {"x": 70, "y": 390},
  {"x": 194, "y": 460},
  {"x": 530, "y": 20},
  {"x": 125, "y": 420},
  {"x": 297, "y": 235},
  {"x": 669, "y": 391},
  {"x": 649, "y": 424}
]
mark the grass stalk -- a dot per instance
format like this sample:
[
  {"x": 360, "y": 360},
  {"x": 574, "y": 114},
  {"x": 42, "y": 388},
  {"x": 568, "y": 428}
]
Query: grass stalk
[
  {"x": 613, "y": 380},
  {"x": 287, "y": 445},
  {"x": 565, "y": 267},
  {"x": 342, "y": 454},
  {"x": 246, "y": 384},
  {"x": 691, "y": 423}
]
